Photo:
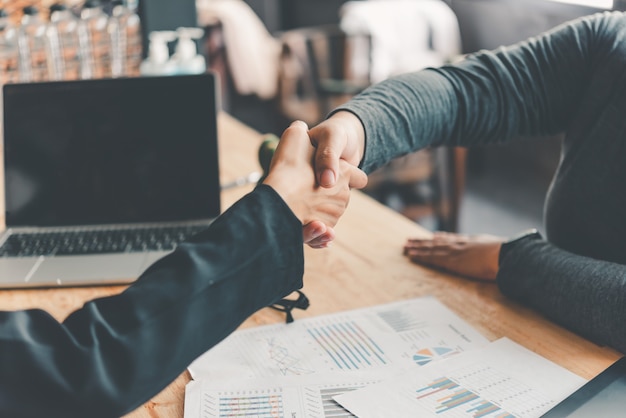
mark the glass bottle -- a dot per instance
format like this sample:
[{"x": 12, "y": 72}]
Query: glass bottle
[
  {"x": 94, "y": 41},
  {"x": 125, "y": 33},
  {"x": 63, "y": 40},
  {"x": 33, "y": 47},
  {"x": 9, "y": 57}
]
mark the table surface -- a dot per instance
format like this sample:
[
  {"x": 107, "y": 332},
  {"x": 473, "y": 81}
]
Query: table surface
[{"x": 363, "y": 267}]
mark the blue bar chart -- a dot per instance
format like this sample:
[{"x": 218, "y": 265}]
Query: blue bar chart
[
  {"x": 260, "y": 405},
  {"x": 444, "y": 395},
  {"x": 348, "y": 345}
]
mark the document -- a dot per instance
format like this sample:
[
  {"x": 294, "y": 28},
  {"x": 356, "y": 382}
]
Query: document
[
  {"x": 502, "y": 379},
  {"x": 279, "y": 397},
  {"x": 401, "y": 334},
  {"x": 295, "y": 370}
]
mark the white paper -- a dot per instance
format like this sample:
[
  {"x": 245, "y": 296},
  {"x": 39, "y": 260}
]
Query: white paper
[
  {"x": 294, "y": 370},
  {"x": 399, "y": 334},
  {"x": 279, "y": 397},
  {"x": 503, "y": 379}
]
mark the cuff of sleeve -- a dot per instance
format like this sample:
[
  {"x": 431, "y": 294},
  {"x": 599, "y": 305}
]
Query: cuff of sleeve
[
  {"x": 269, "y": 191},
  {"x": 511, "y": 243}
]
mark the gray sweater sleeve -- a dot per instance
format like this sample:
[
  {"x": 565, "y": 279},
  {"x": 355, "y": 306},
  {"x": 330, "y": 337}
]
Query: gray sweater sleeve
[
  {"x": 535, "y": 87},
  {"x": 528, "y": 88},
  {"x": 585, "y": 295}
]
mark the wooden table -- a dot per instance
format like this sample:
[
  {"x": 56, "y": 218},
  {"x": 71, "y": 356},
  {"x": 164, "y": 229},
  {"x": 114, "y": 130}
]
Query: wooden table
[{"x": 363, "y": 267}]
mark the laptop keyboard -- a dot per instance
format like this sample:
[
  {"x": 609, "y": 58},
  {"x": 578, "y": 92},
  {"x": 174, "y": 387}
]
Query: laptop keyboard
[{"x": 96, "y": 241}]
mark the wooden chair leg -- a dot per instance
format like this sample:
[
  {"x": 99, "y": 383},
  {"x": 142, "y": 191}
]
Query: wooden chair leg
[{"x": 449, "y": 182}]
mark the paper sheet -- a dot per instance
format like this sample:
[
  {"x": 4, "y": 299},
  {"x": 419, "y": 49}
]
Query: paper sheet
[
  {"x": 503, "y": 379},
  {"x": 406, "y": 333},
  {"x": 279, "y": 397},
  {"x": 294, "y": 370}
]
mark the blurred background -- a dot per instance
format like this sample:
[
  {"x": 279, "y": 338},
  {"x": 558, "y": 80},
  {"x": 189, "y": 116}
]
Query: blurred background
[{"x": 280, "y": 60}]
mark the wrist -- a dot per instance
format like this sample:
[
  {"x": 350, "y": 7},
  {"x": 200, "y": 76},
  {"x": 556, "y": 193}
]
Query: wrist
[
  {"x": 355, "y": 131},
  {"x": 268, "y": 188},
  {"x": 512, "y": 242},
  {"x": 287, "y": 193}
]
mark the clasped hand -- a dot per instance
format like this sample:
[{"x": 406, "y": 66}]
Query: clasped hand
[
  {"x": 314, "y": 170},
  {"x": 293, "y": 176}
]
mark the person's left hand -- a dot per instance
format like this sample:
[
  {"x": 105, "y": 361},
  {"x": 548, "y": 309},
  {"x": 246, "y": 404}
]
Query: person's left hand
[
  {"x": 318, "y": 235},
  {"x": 473, "y": 256}
]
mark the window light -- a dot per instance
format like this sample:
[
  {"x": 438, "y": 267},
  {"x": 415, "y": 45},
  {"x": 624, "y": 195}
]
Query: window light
[{"x": 599, "y": 4}]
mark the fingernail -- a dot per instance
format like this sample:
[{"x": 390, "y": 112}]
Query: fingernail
[
  {"x": 316, "y": 233},
  {"x": 299, "y": 122},
  {"x": 327, "y": 178}
]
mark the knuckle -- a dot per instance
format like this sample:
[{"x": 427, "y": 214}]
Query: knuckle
[{"x": 326, "y": 154}]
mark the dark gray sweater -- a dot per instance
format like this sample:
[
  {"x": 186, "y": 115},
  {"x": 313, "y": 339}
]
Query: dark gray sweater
[{"x": 571, "y": 80}]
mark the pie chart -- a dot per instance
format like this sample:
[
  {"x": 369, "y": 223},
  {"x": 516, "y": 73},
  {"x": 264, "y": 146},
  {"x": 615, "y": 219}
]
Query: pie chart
[{"x": 426, "y": 355}]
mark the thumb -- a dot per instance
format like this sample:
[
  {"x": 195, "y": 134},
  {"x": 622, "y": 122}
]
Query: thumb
[
  {"x": 327, "y": 154},
  {"x": 294, "y": 144}
]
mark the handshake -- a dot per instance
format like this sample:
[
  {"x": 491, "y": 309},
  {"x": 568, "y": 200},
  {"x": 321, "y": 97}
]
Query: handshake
[{"x": 314, "y": 169}]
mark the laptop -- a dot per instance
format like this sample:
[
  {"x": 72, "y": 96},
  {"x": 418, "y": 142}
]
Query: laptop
[
  {"x": 602, "y": 396},
  {"x": 103, "y": 177}
]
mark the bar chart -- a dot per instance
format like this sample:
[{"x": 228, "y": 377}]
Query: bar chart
[
  {"x": 445, "y": 395},
  {"x": 348, "y": 345},
  {"x": 262, "y": 404},
  {"x": 500, "y": 380}
]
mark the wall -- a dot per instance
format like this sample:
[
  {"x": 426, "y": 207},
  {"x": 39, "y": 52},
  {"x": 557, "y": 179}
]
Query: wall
[
  {"x": 487, "y": 24},
  {"x": 484, "y": 24}
]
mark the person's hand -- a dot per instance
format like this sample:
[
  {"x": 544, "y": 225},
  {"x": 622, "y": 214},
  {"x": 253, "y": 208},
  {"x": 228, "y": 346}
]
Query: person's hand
[
  {"x": 318, "y": 235},
  {"x": 291, "y": 174},
  {"x": 473, "y": 256},
  {"x": 340, "y": 137}
]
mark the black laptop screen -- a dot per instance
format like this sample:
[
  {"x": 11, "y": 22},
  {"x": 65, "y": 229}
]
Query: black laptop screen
[{"x": 111, "y": 151}]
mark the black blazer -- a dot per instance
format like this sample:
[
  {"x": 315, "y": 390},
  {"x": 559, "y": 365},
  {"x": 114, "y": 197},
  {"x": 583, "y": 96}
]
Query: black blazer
[{"x": 116, "y": 353}]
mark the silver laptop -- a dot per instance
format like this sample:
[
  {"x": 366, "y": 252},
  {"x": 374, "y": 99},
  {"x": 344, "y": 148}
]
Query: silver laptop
[{"x": 103, "y": 177}]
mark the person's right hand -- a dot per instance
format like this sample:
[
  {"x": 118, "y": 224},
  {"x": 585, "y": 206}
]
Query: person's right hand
[
  {"x": 340, "y": 137},
  {"x": 291, "y": 174}
]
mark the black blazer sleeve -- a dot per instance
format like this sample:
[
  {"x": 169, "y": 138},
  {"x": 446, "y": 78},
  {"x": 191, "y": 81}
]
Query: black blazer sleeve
[{"x": 115, "y": 353}]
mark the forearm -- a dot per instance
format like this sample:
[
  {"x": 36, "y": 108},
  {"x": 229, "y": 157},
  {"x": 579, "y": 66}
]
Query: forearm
[
  {"x": 585, "y": 295},
  {"x": 529, "y": 88},
  {"x": 115, "y": 353}
]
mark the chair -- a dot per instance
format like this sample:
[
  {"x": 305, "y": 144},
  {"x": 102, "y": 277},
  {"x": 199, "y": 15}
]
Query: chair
[{"x": 322, "y": 67}]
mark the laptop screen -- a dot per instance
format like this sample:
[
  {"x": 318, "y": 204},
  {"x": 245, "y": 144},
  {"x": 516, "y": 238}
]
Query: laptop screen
[{"x": 111, "y": 151}]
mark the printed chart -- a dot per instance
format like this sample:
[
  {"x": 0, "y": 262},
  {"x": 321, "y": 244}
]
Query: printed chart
[
  {"x": 299, "y": 368},
  {"x": 268, "y": 405},
  {"x": 348, "y": 345},
  {"x": 400, "y": 334},
  {"x": 255, "y": 398},
  {"x": 445, "y": 396},
  {"x": 501, "y": 380},
  {"x": 426, "y": 355}
]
